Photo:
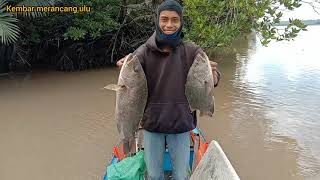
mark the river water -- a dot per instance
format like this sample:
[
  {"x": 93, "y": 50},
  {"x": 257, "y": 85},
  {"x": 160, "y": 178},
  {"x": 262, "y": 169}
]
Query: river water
[{"x": 60, "y": 126}]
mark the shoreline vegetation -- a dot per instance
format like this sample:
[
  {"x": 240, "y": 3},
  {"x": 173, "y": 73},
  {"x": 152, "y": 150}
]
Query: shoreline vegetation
[
  {"x": 306, "y": 22},
  {"x": 113, "y": 28}
]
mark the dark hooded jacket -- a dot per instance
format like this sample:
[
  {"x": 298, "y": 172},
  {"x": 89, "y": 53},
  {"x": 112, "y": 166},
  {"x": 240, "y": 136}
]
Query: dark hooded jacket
[{"x": 167, "y": 109}]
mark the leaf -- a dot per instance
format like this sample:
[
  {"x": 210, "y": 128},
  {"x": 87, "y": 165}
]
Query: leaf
[{"x": 9, "y": 31}]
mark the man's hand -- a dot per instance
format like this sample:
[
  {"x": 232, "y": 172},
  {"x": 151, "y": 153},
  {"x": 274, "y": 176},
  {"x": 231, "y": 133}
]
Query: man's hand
[
  {"x": 214, "y": 72},
  {"x": 120, "y": 62}
]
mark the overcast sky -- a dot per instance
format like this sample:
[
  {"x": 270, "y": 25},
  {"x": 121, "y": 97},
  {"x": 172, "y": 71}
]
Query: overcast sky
[{"x": 303, "y": 12}]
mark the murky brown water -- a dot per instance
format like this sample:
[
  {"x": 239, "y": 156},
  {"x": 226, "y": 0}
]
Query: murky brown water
[{"x": 59, "y": 126}]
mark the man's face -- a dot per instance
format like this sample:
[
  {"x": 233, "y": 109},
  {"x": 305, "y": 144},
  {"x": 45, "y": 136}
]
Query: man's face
[{"x": 169, "y": 22}]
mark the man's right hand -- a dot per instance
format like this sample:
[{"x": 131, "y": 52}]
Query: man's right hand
[{"x": 120, "y": 62}]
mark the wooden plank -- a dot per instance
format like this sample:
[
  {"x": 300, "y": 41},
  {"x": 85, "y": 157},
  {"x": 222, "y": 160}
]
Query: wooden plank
[{"x": 214, "y": 165}]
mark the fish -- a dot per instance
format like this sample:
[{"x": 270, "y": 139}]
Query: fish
[
  {"x": 131, "y": 98},
  {"x": 199, "y": 87}
]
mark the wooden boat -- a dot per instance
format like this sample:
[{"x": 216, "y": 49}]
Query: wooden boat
[{"x": 198, "y": 147}]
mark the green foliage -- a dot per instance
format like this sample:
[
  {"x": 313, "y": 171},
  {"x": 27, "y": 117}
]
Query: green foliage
[
  {"x": 9, "y": 31},
  {"x": 101, "y": 19},
  {"x": 113, "y": 28},
  {"x": 75, "y": 33},
  {"x": 217, "y": 23}
]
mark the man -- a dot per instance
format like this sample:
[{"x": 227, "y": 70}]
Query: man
[{"x": 166, "y": 60}]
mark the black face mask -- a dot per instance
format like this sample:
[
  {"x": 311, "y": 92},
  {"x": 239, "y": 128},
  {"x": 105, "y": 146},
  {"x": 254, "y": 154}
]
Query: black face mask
[{"x": 172, "y": 40}]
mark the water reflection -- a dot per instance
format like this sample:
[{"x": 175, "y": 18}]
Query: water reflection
[
  {"x": 281, "y": 83},
  {"x": 56, "y": 125}
]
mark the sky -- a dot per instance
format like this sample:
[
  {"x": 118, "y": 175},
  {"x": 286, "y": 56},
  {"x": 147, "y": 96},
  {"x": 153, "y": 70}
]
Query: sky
[{"x": 305, "y": 11}]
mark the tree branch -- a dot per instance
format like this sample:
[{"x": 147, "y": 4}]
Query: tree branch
[{"x": 315, "y": 9}]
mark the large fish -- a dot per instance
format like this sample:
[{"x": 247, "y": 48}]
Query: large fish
[
  {"x": 131, "y": 99},
  {"x": 200, "y": 85}
]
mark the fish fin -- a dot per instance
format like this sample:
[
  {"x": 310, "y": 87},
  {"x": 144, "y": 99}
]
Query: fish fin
[
  {"x": 115, "y": 87},
  {"x": 191, "y": 109},
  {"x": 210, "y": 114},
  {"x": 212, "y": 111},
  {"x": 203, "y": 56},
  {"x": 129, "y": 58}
]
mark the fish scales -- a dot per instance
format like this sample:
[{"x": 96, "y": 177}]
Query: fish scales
[
  {"x": 199, "y": 87},
  {"x": 131, "y": 99}
]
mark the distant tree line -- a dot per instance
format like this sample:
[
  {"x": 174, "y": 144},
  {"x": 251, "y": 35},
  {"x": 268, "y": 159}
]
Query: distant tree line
[
  {"x": 306, "y": 22},
  {"x": 113, "y": 28}
]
